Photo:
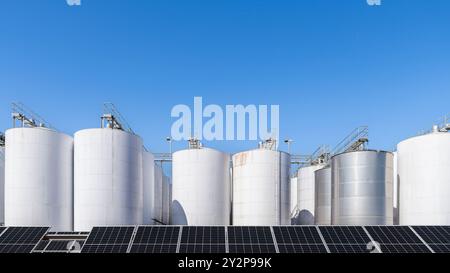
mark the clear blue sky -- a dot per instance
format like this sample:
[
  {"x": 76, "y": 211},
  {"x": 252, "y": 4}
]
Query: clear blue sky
[{"x": 331, "y": 65}]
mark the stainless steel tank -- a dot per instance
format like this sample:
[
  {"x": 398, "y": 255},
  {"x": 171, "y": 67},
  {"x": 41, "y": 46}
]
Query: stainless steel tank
[
  {"x": 323, "y": 197},
  {"x": 362, "y": 188}
]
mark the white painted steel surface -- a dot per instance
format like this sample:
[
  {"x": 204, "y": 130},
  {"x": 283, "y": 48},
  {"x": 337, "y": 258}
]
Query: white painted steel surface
[
  {"x": 39, "y": 178},
  {"x": 158, "y": 195},
  {"x": 2, "y": 185},
  {"x": 261, "y": 188},
  {"x": 108, "y": 179},
  {"x": 362, "y": 188},
  {"x": 306, "y": 194},
  {"x": 424, "y": 180},
  {"x": 148, "y": 176},
  {"x": 396, "y": 192},
  {"x": 293, "y": 195},
  {"x": 201, "y": 188}
]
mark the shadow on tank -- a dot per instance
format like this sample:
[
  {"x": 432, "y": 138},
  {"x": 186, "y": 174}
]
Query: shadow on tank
[{"x": 178, "y": 214}]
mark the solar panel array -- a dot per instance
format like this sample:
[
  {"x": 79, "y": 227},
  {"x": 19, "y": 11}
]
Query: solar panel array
[
  {"x": 234, "y": 240},
  {"x": 21, "y": 239}
]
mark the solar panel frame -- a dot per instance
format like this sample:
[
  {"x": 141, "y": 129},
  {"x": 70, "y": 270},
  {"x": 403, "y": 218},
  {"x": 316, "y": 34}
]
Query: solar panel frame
[
  {"x": 299, "y": 239},
  {"x": 251, "y": 240},
  {"x": 397, "y": 239},
  {"x": 346, "y": 239},
  {"x": 21, "y": 239},
  {"x": 203, "y": 239},
  {"x": 108, "y": 240},
  {"x": 156, "y": 239},
  {"x": 436, "y": 237}
]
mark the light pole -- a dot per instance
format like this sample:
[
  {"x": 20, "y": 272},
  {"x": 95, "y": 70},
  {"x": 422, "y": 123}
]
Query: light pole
[
  {"x": 169, "y": 140},
  {"x": 289, "y": 142}
]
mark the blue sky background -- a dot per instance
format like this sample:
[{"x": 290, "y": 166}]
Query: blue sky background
[{"x": 331, "y": 65}]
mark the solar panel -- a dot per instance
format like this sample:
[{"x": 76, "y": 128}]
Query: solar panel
[
  {"x": 299, "y": 240},
  {"x": 203, "y": 240},
  {"x": 437, "y": 237},
  {"x": 21, "y": 239},
  {"x": 2, "y": 229},
  {"x": 250, "y": 240},
  {"x": 156, "y": 240},
  {"x": 397, "y": 239},
  {"x": 59, "y": 246},
  {"x": 40, "y": 247},
  {"x": 108, "y": 240},
  {"x": 349, "y": 240}
]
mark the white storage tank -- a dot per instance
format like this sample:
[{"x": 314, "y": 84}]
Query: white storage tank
[
  {"x": 322, "y": 212},
  {"x": 108, "y": 179},
  {"x": 424, "y": 179},
  {"x": 261, "y": 190},
  {"x": 148, "y": 177},
  {"x": 293, "y": 199},
  {"x": 306, "y": 194},
  {"x": 2, "y": 185},
  {"x": 158, "y": 196},
  {"x": 362, "y": 188},
  {"x": 166, "y": 199},
  {"x": 396, "y": 192},
  {"x": 201, "y": 188},
  {"x": 39, "y": 178}
]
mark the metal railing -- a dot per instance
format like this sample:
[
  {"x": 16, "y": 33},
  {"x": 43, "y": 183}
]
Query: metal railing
[{"x": 353, "y": 141}]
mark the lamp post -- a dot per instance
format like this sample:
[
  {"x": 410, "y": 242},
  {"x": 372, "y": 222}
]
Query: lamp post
[{"x": 289, "y": 142}]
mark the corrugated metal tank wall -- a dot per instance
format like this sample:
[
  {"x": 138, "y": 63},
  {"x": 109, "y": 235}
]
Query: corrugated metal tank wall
[
  {"x": 39, "y": 178},
  {"x": 108, "y": 179},
  {"x": 424, "y": 180},
  {"x": 148, "y": 176},
  {"x": 2, "y": 185},
  {"x": 306, "y": 194},
  {"x": 362, "y": 188},
  {"x": 322, "y": 212},
  {"x": 261, "y": 188},
  {"x": 201, "y": 188}
]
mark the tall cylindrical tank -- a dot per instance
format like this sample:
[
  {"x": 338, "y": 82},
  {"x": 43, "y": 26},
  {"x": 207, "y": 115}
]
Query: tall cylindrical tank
[
  {"x": 158, "y": 196},
  {"x": 148, "y": 177},
  {"x": 166, "y": 200},
  {"x": 396, "y": 192},
  {"x": 201, "y": 188},
  {"x": 293, "y": 198},
  {"x": 261, "y": 188},
  {"x": 322, "y": 212},
  {"x": 424, "y": 179},
  {"x": 362, "y": 188},
  {"x": 39, "y": 178},
  {"x": 306, "y": 194},
  {"x": 2, "y": 185},
  {"x": 108, "y": 179}
]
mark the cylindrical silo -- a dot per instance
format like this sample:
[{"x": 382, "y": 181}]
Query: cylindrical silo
[
  {"x": 362, "y": 188},
  {"x": 261, "y": 188},
  {"x": 322, "y": 212},
  {"x": 166, "y": 200},
  {"x": 201, "y": 188},
  {"x": 148, "y": 177},
  {"x": 395, "y": 198},
  {"x": 158, "y": 196},
  {"x": 108, "y": 179},
  {"x": 2, "y": 185},
  {"x": 293, "y": 199},
  {"x": 39, "y": 178},
  {"x": 424, "y": 179},
  {"x": 306, "y": 194}
]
